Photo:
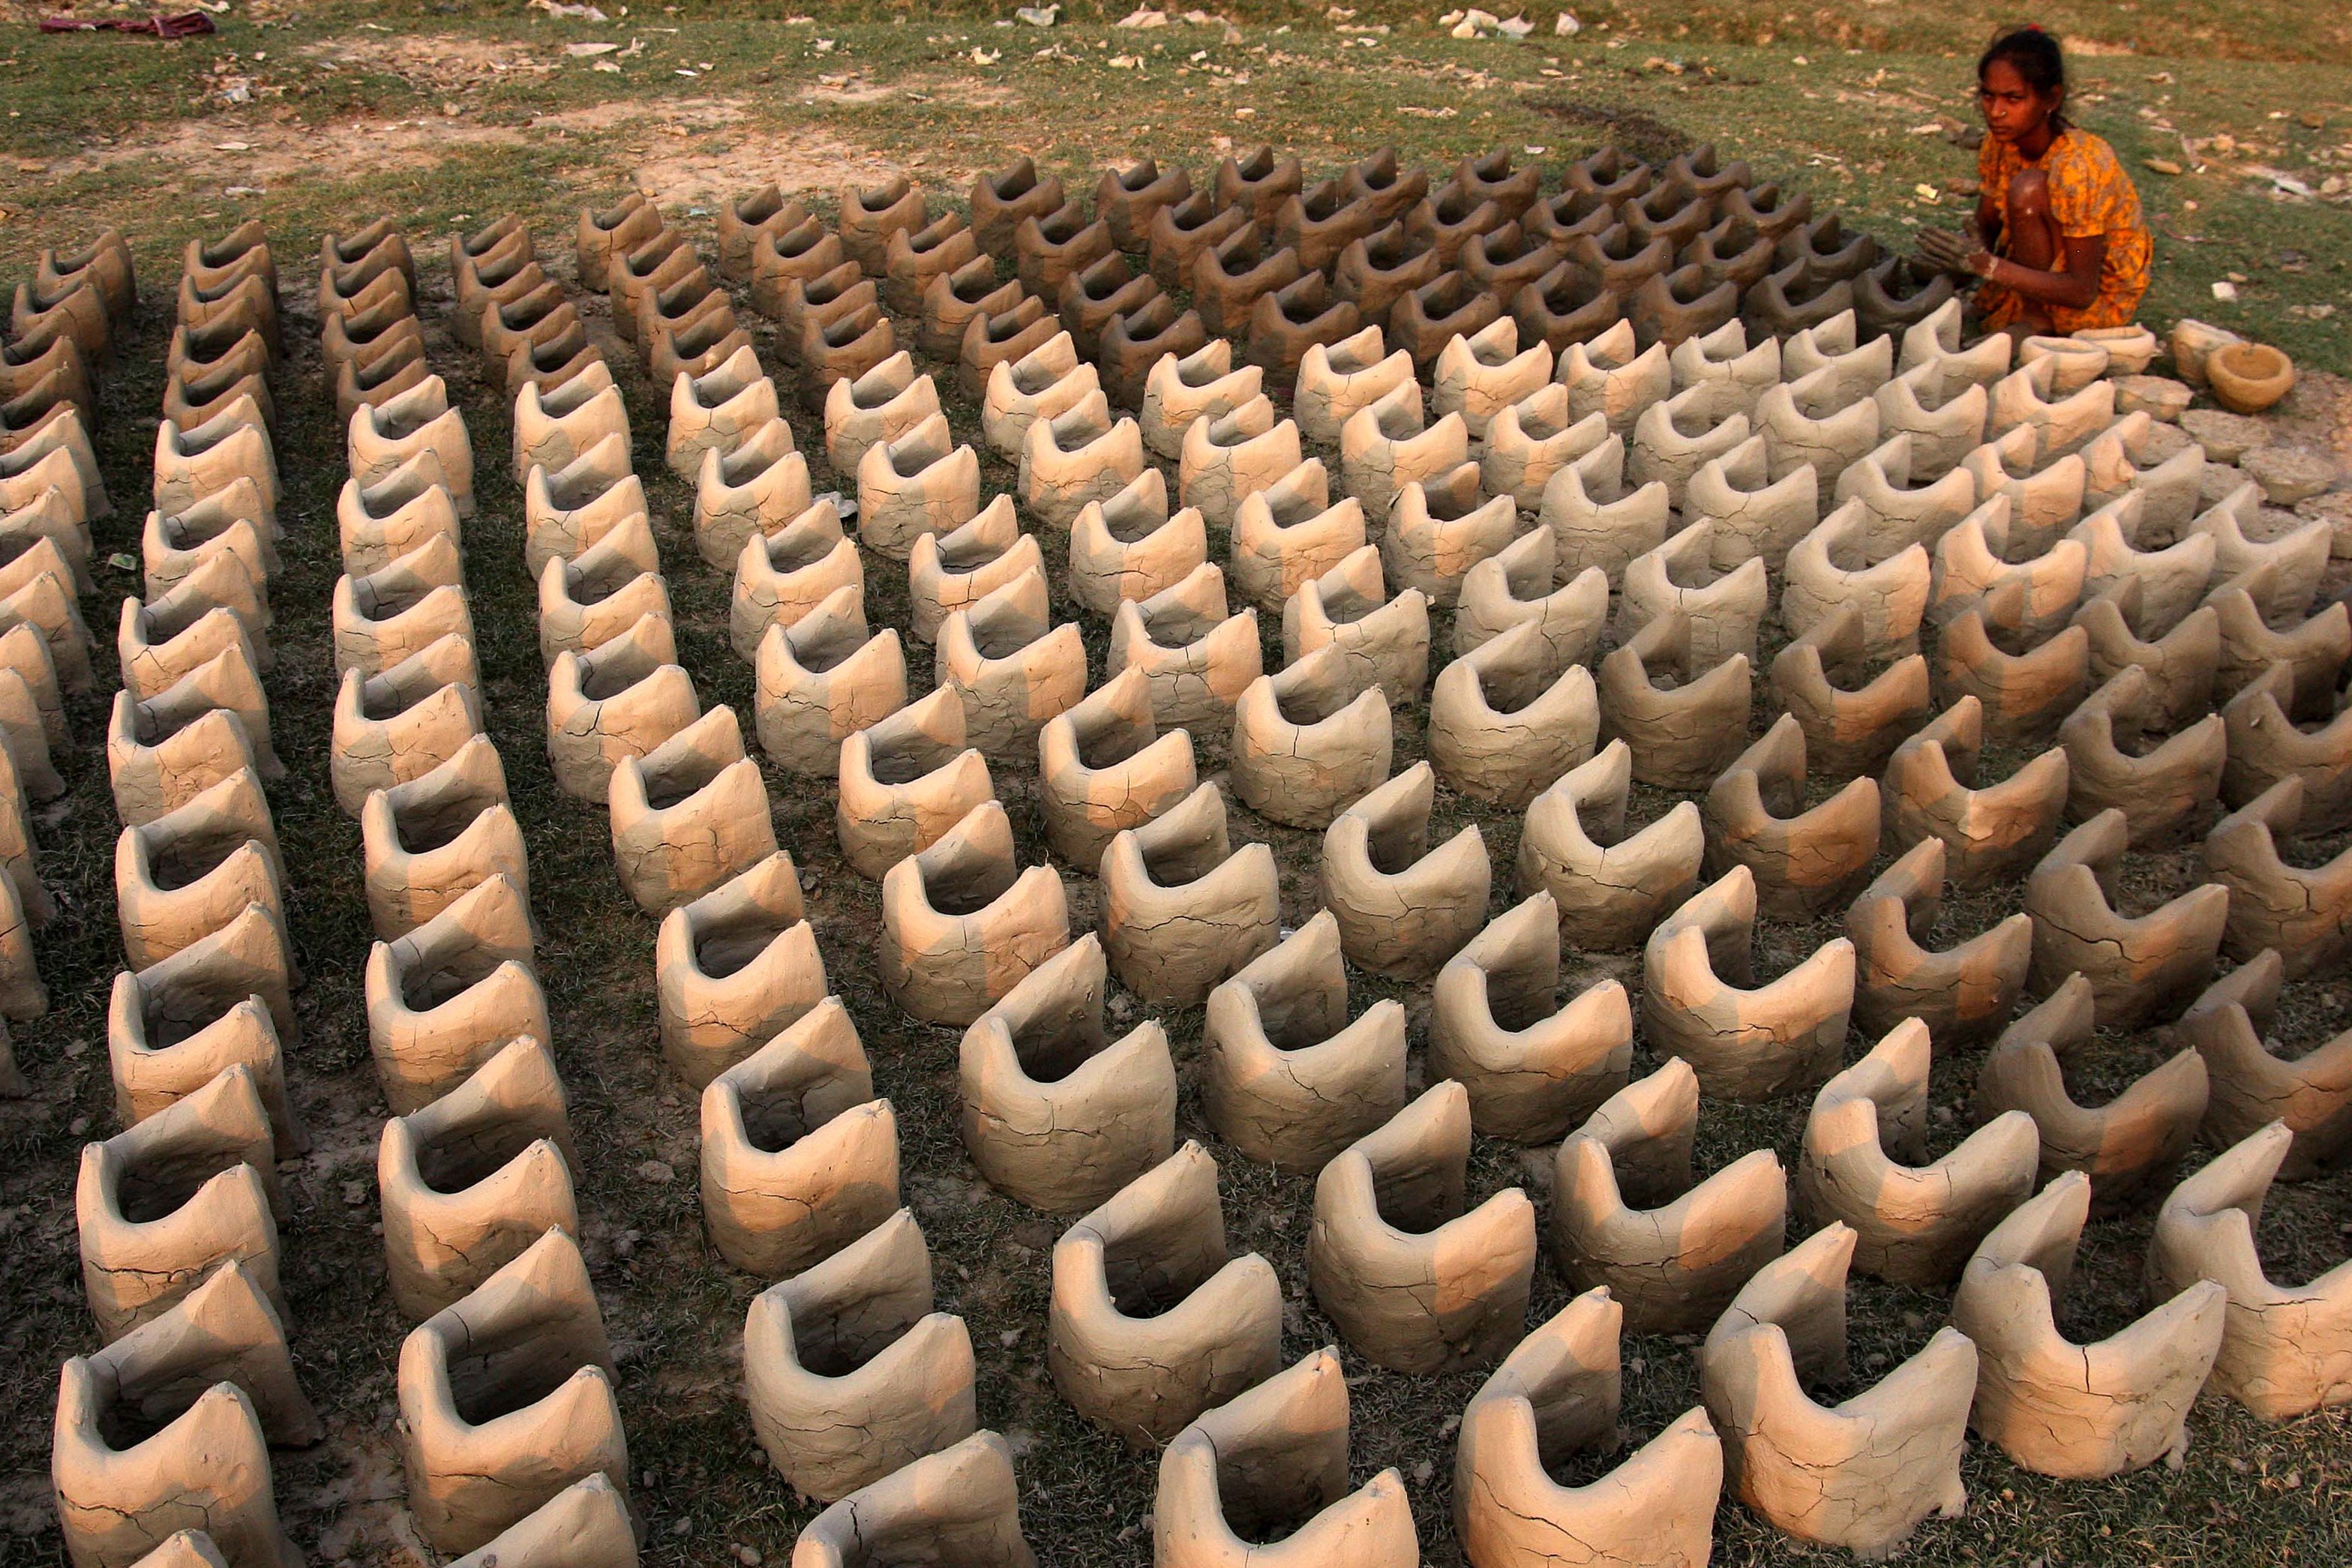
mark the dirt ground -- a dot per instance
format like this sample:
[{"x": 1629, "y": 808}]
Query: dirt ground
[{"x": 2248, "y": 1494}]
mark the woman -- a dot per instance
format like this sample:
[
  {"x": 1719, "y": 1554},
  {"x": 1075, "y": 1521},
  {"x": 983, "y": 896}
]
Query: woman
[{"x": 2059, "y": 240}]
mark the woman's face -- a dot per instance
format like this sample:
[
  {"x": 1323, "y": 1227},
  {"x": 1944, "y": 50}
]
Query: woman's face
[{"x": 2011, "y": 109}]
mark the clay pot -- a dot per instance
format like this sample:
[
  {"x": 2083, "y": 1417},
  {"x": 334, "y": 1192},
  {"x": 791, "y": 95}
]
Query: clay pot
[
  {"x": 2167, "y": 583},
  {"x": 689, "y": 814},
  {"x": 2128, "y": 1146},
  {"x": 871, "y": 216},
  {"x": 963, "y": 1500},
  {"x": 1748, "y": 1042},
  {"x": 617, "y": 229},
  {"x": 396, "y": 726},
  {"x": 2272, "y": 904},
  {"x": 2126, "y": 459},
  {"x": 2027, "y": 689},
  {"x": 1256, "y": 1464},
  {"x": 567, "y": 511},
  {"x": 1290, "y": 1081},
  {"x": 799, "y": 1158},
  {"x": 387, "y": 434},
  {"x": 801, "y": 254},
  {"x": 962, "y": 924},
  {"x": 1805, "y": 861},
  {"x": 991, "y": 340},
  {"x": 2311, "y": 649},
  {"x": 2251, "y": 1086},
  {"x": 2139, "y": 968},
  {"x": 1941, "y": 410},
  {"x": 1438, "y": 529},
  {"x": 1901, "y": 514},
  {"x": 2282, "y": 1348},
  {"x": 1182, "y": 908},
  {"x": 2265, "y": 744},
  {"x": 469, "y": 1182},
  {"x": 1531, "y": 1070},
  {"x": 1228, "y": 457},
  {"x": 192, "y": 870},
  {"x": 1532, "y": 440},
  {"x": 388, "y": 615},
  {"x": 1181, "y": 389},
  {"x": 2249, "y": 377},
  {"x": 2081, "y": 1411},
  {"x": 1423, "y": 321},
  {"x": 1502, "y": 726},
  {"x": 905, "y": 782},
  {"x": 1307, "y": 741},
  {"x": 1288, "y": 534},
  {"x": 1593, "y": 522},
  {"x": 782, "y": 573},
  {"x": 1057, "y": 1115},
  {"x": 1514, "y": 588},
  {"x": 1000, "y": 201},
  {"x": 586, "y": 1524},
  {"x": 1012, "y": 670},
  {"x": 914, "y": 257},
  {"x": 1128, "y": 547},
  {"x": 430, "y": 839},
  {"x": 1051, "y": 249},
  {"x": 443, "y": 999},
  {"x": 1992, "y": 830},
  {"x": 598, "y": 595},
  {"x": 1383, "y": 638},
  {"x": 1863, "y": 1474},
  {"x": 1392, "y": 1233},
  {"x": 620, "y": 700},
  {"x": 201, "y": 1485},
  {"x": 744, "y": 219},
  {"x": 1375, "y": 270},
  {"x": 1076, "y": 458},
  {"x": 733, "y": 967},
  {"x": 1141, "y": 1374},
  {"x": 1402, "y": 909},
  {"x": 522, "y": 1436},
  {"x": 717, "y": 410},
  {"x": 1609, "y": 890},
  {"x": 1675, "y": 1264},
  {"x": 1680, "y": 736},
  {"x": 1129, "y": 198},
  {"x": 1915, "y": 1224},
  {"x": 919, "y": 483},
  {"x": 1043, "y": 384},
  {"x": 954, "y": 570},
  {"x": 1558, "y": 1393},
  {"x": 1888, "y": 598},
  {"x": 850, "y": 1372},
  {"x": 161, "y": 1204},
  {"x": 1724, "y": 607},
  {"x": 822, "y": 679},
  {"x": 1104, "y": 767},
  {"x": 1963, "y": 993},
  {"x": 1184, "y": 231},
  {"x": 2165, "y": 793},
  {"x": 1604, "y": 375},
  {"x": 172, "y": 1031}
]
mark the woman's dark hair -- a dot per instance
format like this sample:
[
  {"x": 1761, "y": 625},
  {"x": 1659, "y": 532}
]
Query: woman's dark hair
[{"x": 2035, "y": 56}]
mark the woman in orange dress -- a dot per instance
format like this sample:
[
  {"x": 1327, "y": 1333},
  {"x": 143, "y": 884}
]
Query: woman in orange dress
[{"x": 2058, "y": 242}]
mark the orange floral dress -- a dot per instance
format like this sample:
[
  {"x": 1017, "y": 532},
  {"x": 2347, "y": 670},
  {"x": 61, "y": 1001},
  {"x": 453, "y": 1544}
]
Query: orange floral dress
[{"x": 2089, "y": 194}]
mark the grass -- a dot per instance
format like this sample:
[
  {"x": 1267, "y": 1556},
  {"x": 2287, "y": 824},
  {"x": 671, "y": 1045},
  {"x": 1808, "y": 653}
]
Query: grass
[{"x": 91, "y": 113}]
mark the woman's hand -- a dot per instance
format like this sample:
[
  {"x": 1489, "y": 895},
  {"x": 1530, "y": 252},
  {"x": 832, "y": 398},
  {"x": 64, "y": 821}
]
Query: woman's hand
[{"x": 1948, "y": 252}]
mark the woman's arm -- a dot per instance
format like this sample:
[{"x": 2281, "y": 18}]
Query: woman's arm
[
  {"x": 2071, "y": 286},
  {"x": 1988, "y": 220}
]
